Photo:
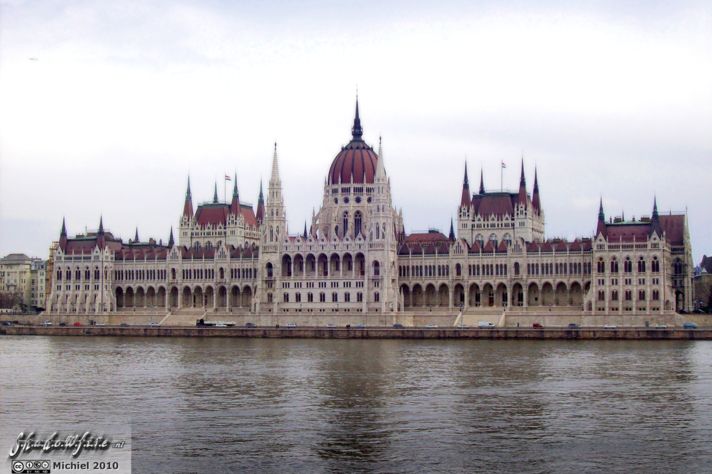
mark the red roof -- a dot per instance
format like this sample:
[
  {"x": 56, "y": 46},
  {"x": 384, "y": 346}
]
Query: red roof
[
  {"x": 674, "y": 227},
  {"x": 217, "y": 214},
  {"x": 499, "y": 204},
  {"x": 355, "y": 161},
  {"x": 628, "y": 232},
  {"x": 425, "y": 237}
]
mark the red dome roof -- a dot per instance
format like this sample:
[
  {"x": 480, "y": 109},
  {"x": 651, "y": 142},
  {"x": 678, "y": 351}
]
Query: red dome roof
[{"x": 356, "y": 162}]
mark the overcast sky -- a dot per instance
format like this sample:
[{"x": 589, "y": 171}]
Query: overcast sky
[{"x": 106, "y": 107}]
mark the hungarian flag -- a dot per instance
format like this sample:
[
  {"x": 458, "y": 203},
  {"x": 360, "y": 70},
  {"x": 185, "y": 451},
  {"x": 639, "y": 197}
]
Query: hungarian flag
[{"x": 227, "y": 178}]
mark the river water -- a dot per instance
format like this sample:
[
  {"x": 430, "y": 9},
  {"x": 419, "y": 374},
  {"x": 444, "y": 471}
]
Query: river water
[{"x": 235, "y": 405}]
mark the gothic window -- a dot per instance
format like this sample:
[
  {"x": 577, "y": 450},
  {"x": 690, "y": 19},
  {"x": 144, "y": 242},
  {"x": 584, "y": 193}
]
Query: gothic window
[
  {"x": 376, "y": 268},
  {"x": 458, "y": 269},
  {"x": 677, "y": 266},
  {"x": 628, "y": 265},
  {"x": 269, "y": 270},
  {"x": 641, "y": 295},
  {"x": 656, "y": 265},
  {"x": 600, "y": 266},
  {"x": 357, "y": 223},
  {"x": 641, "y": 265},
  {"x": 346, "y": 222},
  {"x": 614, "y": 265},
  {"x": 376, "y": 297}
]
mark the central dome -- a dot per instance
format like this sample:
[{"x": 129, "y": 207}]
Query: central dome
[{"x": 356, "y": 162}]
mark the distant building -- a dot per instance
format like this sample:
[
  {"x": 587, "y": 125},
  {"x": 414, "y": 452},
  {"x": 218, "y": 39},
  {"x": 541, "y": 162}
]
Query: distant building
[
  {"x": 20, "y": 282},
  {"x": 355, "y": 256},
  {"x": 703, "y": 285}
]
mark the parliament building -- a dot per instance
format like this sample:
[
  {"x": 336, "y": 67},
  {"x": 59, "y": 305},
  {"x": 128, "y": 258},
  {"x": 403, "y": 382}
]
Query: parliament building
[{"x": 355, "y": 257}]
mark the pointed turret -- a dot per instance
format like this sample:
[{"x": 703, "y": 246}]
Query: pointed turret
[
  {"x": 260, "y": 206},
  {"x": 305, "y": 230},
  {"x": 380, "y": 165},
  {"x": 100, "y": 239},
  {"x": 655, "y": 220},
  {"x": 452, "y": 231},
  {"x": 465, "y": 199},
  {"x": 356, "y": 130},
  {"x": 536, "y": 200},
  {"x": 136, "y": 236},
  {"x": 482, "y": 181},
  {"x": 171, "y": 242},
  {"x": 235, "y": 203},
  {"x": 522, "y": 198},
  {"x": 601, "y": 226},
  {"x": 188, "y": 205},
  {"x": 63, "y": 236},
  {"x": 215, "y": 193}
]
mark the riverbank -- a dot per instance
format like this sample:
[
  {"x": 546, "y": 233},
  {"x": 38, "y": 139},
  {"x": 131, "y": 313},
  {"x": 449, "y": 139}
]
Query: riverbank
[{"x": 630, "y": 333}]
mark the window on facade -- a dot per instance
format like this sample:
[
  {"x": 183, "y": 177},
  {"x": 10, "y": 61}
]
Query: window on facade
[
  {"x": 641, "y": 265},
  {"x": 322, "y": 297},
  {"x": 346, "y": 222},
  {"x": 628, "y": 295},
  {"x": 334, "y": 297},
  {"x": 614, "y": 295},
  {"x": 627, "y": 265},
  {"x": 655, "y": 265},
  {"x": 614, "y": 266},
  {"x": 286, "y": 298},
  {"x": 641, "y": 295},
  {"x": 357, "y": 222}
]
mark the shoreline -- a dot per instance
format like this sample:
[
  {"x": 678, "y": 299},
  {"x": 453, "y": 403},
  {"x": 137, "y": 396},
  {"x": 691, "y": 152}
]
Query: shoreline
[{"x": 624, "y": 333}]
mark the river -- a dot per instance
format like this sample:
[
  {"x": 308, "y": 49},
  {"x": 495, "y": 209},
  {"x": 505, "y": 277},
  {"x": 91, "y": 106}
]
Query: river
[{"x": 231, "y": 405}]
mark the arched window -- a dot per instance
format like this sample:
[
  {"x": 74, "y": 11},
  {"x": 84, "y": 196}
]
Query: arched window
[
  {"x": 516, "y": 268},
  {"x": 346, "y": 222},
  {"x": 458, "y": 269},
  {"x": 677, "y": 266},
  {"x": 614, "y": 265},
  {"x": 357, "y": 223},
  {"x": 628, "y": 265},
  {"x": 601, "y": 266},
  {"x": 376, "y": 268},
  {"x": 508, "y": 239},
  {"x": 641, "y": 265},
  {"x": 656, "y": 265},
  {"x": 269, "y": 270}
]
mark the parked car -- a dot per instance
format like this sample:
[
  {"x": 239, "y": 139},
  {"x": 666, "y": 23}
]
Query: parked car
[
  {"x": 153, "y": 324},
  {"x": 431, "y": 326},
  {"x": 62, "y": 324},
  {"x": 661, "y": 326},
  {"x": 220, "y": 325},
  {"x": 291, "y": 325},
  {"x": 7, "y": 323},
  {"x": 250, "y": 325},
  {"x": 537, "y": 326},
  {"x": 359, "y": 326},
  {"x": 331, "y": 325},
  {"x": 609, "y": 326},
  {"x": 573, "y": 326},
  {"x": 77, "y": 324},
  {"x": 485, "y": 325},
  {"x": 397, "y": 326},
  {"x": 47, "y": 322},
  {"x": 123, "y": 324},
  {"x": 689, "y": 325}
]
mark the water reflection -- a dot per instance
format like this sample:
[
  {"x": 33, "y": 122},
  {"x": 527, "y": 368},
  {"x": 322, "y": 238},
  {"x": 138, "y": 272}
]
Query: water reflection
[{"x": 226, "y": 405}]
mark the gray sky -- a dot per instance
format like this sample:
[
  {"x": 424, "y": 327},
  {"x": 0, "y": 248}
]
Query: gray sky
[{"x": 106, "y": 107}]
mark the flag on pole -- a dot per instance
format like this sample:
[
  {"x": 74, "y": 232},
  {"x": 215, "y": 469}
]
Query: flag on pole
[
  {"x": 503, "y": 165},
  {"x": 228, "y": 178}
]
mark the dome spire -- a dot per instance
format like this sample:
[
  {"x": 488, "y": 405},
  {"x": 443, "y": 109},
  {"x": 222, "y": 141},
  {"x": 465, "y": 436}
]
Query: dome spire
[{"x": 357, "y": 131}]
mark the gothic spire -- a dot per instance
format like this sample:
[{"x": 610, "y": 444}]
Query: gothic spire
[
  {"x": 465, "y": 199},
  {"x": 536, "y": 200},
  {"x": 305, "y": 230},
  {"x": 101, "y": 226},
  {"x": 356, "y": 130},
  {"x": 136, "y": 236},
  {"x": 655, "y": 207},
  {"x": 188, "y": 204},
  {"x": 260, "y": 206},
  {"x": 452, "y": 231},
  {"x": 63, "y": 232},
  {"x": 235, "y": 203},
  {"x": 522, "y": 198},
  {"x": 482, "y": 181},
  {"x": 275, "y": 168},
  {"x": 215, "y": 193},
  {"x": 171, "y": 242},
  {"x": 601, "y": 225}
]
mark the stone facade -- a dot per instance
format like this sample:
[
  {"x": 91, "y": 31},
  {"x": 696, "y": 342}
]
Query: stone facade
[
  {"x": 22, "y": 280},
  {"x": 356, "y": 258}
]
